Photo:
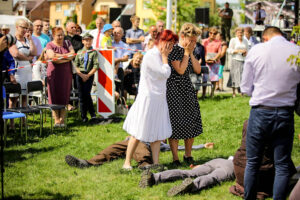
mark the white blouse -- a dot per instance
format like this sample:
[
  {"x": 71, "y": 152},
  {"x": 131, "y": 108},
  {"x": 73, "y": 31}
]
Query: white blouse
[
  {"x": 236, "y": 44},
  {"x": 154, "y": 74}
]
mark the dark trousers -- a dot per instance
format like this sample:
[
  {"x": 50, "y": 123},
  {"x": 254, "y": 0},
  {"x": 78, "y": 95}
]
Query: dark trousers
[
  {"x": 225, "y": 30},
  {"x": 276, "y": 129},
  {"x": 142, "y": 154},
  {"x": 84, "y": 90}
]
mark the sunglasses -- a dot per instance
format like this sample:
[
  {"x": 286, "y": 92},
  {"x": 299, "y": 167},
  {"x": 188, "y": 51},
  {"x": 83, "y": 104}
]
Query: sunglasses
[{"x": 213, "y": 33}]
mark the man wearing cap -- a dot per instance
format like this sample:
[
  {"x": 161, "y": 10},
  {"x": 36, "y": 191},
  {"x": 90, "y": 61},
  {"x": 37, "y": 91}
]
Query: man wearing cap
[
  {"x": 86, "y": 63},
  {"x": 5, "y": 29}
]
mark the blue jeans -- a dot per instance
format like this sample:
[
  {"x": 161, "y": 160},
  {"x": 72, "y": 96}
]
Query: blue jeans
[{"x": 274, "y": 128}]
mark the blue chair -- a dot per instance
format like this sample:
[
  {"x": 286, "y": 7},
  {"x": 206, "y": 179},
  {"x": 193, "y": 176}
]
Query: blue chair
[{"x": 11, "y": 115}]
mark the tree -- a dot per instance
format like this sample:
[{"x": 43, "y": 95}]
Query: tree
[{"x": 185, "y": 10}]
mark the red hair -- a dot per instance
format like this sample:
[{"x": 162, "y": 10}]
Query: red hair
[
  {"x": 166, "y": 36},
  {"x": 56, "y": 29}
]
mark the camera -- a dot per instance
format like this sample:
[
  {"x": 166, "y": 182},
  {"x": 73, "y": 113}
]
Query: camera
[{"x": 11, "y": 40}]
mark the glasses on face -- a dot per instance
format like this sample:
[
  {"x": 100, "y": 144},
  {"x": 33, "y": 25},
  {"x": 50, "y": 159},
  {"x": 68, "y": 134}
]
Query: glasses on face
[
  {"x": 215, "y": 33},
  {"x": 23, "y": 27}
]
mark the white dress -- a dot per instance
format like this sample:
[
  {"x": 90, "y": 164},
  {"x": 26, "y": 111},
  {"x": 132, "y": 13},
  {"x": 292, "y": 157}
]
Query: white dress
[
  {"x": 148, "y": 118},
  {"x": 24, "y": 74}
]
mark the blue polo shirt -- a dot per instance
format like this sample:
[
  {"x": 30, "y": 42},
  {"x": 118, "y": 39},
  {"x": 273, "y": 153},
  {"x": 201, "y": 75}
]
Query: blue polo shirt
[{"x": 135, "y": 34}]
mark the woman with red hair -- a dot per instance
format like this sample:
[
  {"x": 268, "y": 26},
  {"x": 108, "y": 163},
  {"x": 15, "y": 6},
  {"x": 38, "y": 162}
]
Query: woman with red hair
[{"x": 148, "y": 119}]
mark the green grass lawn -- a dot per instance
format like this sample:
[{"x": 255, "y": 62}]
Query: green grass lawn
[{"x": 37, "y": 169}]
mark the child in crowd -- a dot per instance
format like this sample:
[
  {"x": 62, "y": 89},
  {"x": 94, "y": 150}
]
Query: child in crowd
[
  {"x": 106, "y": 40},
  {"x": 39, "y": 69},
  {"x": 87, "y": 64}
]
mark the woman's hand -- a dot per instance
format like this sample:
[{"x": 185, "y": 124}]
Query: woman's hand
[{"x": 165, "y": 50}]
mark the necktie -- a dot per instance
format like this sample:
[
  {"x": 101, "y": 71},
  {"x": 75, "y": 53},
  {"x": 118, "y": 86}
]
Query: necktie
[
  {"x": 98, "y": 37},
  {"x": 85, "y": 59}
]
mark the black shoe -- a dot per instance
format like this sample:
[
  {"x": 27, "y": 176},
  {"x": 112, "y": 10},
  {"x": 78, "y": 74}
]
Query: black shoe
[
  {"x": 184, "y": 187},
  {"x": 76, "y": 162},
  {"x": 188, "y": 160},
  {"x": 147, "y": 179},
  {"x": 176, "y": 163}
]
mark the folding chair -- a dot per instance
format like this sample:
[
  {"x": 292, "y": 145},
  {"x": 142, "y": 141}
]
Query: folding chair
[
  {"x": 11, "y": 115},
  {"x": 16, "y": 88},
  {"x": 37, "y": 86}
]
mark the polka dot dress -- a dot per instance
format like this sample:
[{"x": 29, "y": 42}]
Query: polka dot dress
[{"x": 182, "y": 101}]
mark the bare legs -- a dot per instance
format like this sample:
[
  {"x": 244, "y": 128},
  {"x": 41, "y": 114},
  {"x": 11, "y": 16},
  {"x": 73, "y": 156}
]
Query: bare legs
[
  {"x": 174, "y": 148},
  {"x": 155, "y": 148},
  {"x": 59, "y": 116},
  {"x": 188, "y": 143},
  {"x": 132, "y": 145},
  {"x": 233, "y": 92}
]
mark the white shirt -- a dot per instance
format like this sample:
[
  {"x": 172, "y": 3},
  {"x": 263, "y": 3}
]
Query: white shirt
[
  {"x": 236, "y": 44},
  {"x": 268, "y": 77},
  {"x": 94, "y": 33},
  {"x": 280, "y": 23}
]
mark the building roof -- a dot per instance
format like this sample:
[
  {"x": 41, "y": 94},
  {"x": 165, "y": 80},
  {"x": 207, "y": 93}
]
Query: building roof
[
  {"x": 64, "y": 0},
  {"x": 120, "y": 2}
]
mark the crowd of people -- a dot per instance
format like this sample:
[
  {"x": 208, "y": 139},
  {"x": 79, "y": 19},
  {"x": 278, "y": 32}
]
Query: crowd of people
[{"x": 161, "y": 69}]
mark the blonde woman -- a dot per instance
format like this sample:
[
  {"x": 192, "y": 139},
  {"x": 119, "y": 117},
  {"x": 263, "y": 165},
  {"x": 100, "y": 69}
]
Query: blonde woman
[
  {"x": 182, "y": 100},
  {"x": 238, "y": 48},
  {"x": 23, "y": 52}
]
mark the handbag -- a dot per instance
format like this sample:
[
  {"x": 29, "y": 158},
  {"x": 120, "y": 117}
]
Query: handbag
[
  {"x": 121, "y": 107},
  {"x": 297, "y": 103}
]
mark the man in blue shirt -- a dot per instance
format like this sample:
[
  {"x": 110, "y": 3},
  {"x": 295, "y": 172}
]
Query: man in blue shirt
[{"x": 37, "y": 32}]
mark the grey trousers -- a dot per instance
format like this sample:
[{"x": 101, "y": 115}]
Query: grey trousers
[{"x": 208, "y": 174}]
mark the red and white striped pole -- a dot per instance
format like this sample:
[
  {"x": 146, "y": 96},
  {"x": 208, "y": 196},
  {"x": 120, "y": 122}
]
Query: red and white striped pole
[{"x": 105, "y": 83}]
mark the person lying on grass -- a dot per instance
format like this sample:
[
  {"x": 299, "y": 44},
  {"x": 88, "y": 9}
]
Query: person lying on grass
[{"x": 117, "y": 150}]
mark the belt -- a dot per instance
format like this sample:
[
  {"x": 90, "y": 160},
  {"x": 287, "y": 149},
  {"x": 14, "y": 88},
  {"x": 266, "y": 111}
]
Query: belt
[{"x": 274, "y": 108}]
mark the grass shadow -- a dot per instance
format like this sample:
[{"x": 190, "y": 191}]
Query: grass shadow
[{"x": 12, "y": 156}]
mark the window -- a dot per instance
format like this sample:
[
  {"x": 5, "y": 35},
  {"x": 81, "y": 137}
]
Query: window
[
  {"x": 57, "y": 22},
  {"x": 104, "y": 8},
  {"x": 72, "y": 6},
  {"x": 58, "y": 7}
]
